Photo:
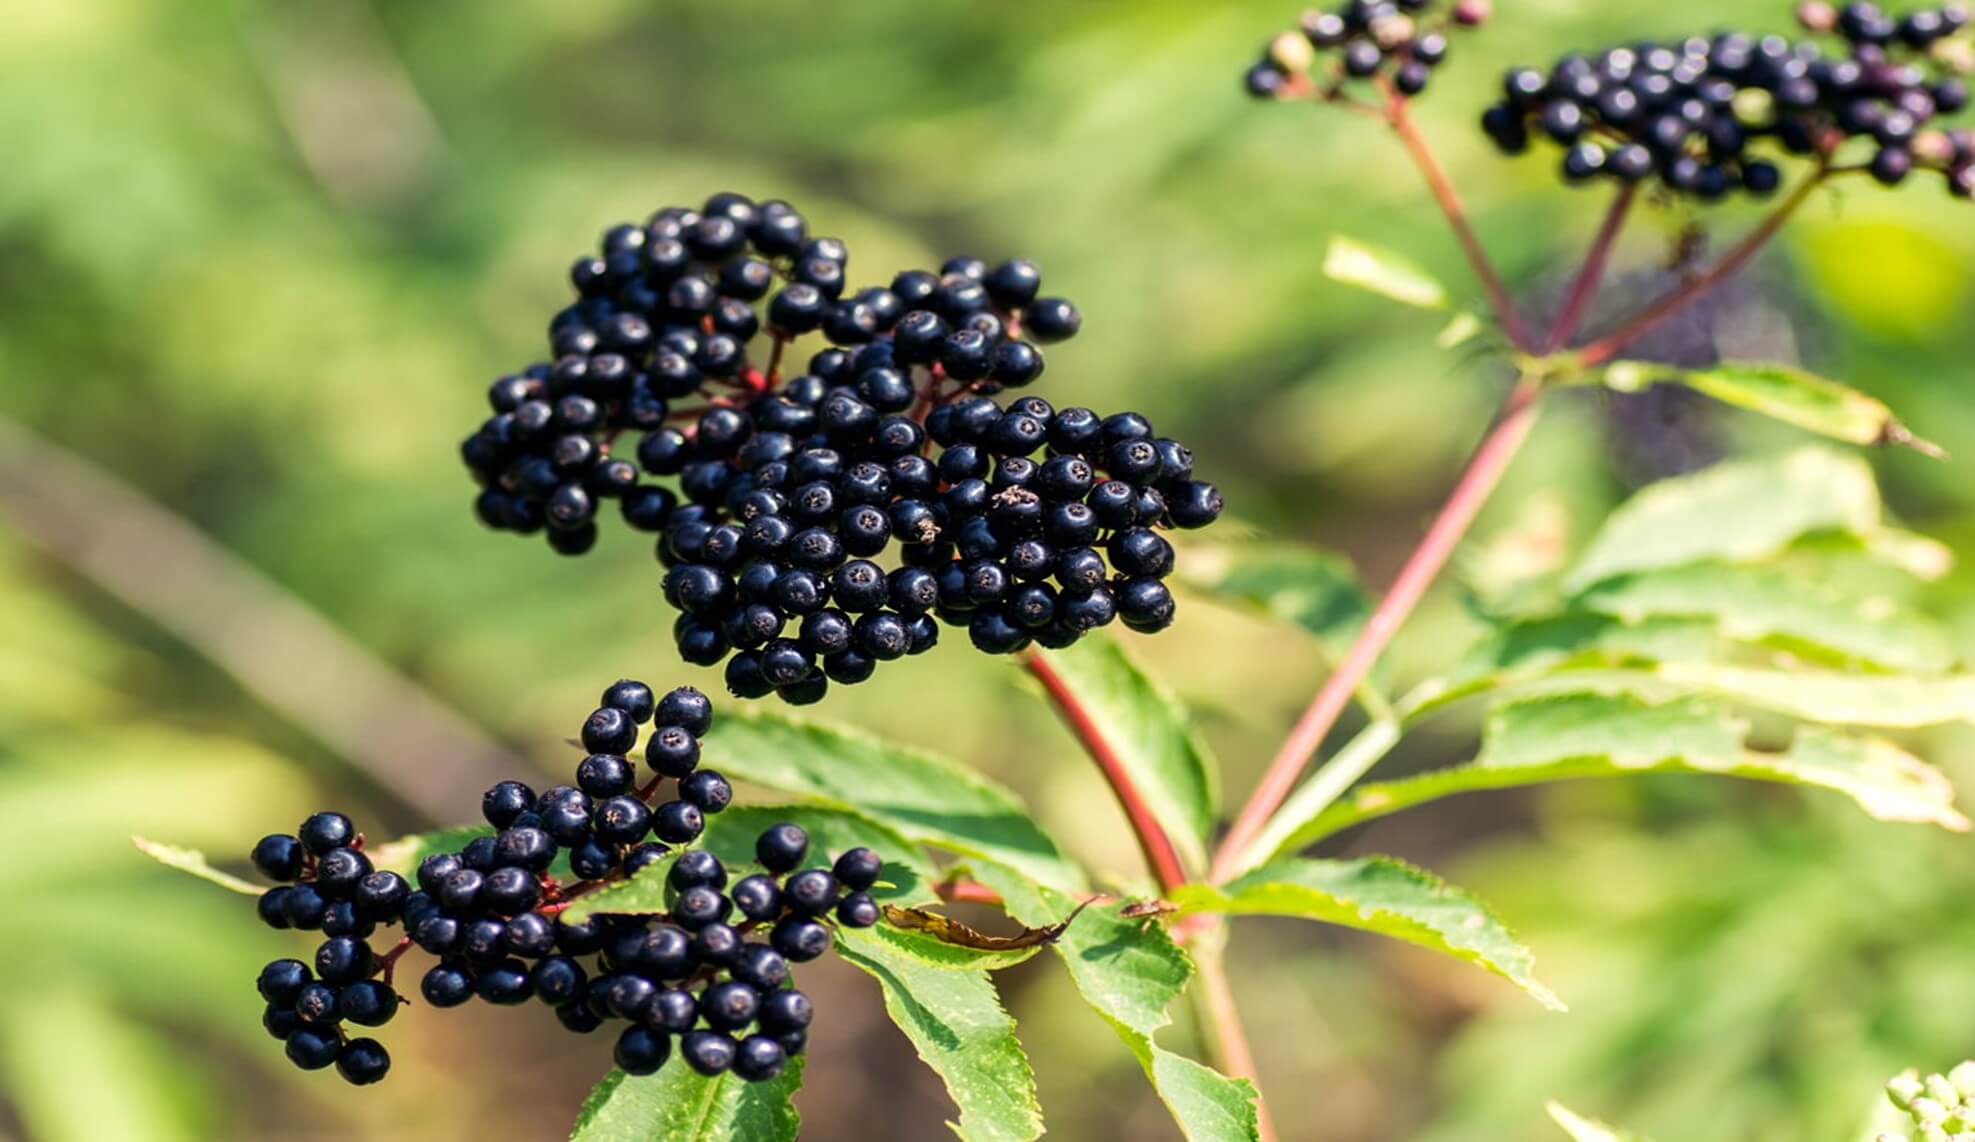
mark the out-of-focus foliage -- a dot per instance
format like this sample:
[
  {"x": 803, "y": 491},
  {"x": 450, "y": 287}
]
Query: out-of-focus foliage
[{"x": 259, "y": 258}]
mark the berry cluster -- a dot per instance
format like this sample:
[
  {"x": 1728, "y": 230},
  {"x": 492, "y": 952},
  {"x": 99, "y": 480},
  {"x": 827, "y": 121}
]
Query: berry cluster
[
  {"x": 493, "y": 912},
  {"x": 789, "y": 489},
  {"x": 1708, "y": 117},
  {"x": 1400, "y": 40}
]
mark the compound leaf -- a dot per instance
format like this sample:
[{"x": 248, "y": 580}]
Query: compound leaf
[
  {"x": 1781, "y": 392},
  {"x": 927, "y": 798},
  {"x": 677, "y": 1104},
  {"x": 956, "y": 1022},
  {"x": 1382, "y": 895},
  {"x": 194, "y": 862}
]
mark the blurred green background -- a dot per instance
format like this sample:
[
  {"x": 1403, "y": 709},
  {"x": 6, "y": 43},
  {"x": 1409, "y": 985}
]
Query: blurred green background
[{"x": 258, "y": 261}]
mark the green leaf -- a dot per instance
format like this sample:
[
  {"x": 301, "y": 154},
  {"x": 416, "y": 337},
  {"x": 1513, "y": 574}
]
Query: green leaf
[
  {"x": 1781, "y": 392},
  {"x": 194, "y": 862},
  {"x": 644, "y": 893},
  {"x": 1880, "y": 700},
  {"x": 1382, "y": 895},
  {"x": 1130, "y": 972},
  {"x": 1382, "y": 272},
  {"x": 956, "y": 1023},
  {"x": 1580, "y": 734},
  {"x": 680, "y": 1105},
  {"x": 907, "y": 876},
  {"x": 927, "y": 798},
  {"x": 1813, "y": 617},
  {"x": 1151, "y": 735},
  {"x": 404, "y": 855},
  {"x": 1738, "y": 511},
  {"x": 1583, "y": 1129},
  {"x": 1314, "y": 589}
]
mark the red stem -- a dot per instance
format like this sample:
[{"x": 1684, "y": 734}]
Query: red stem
[
  {"x": 1160, "y": 855},
  {"x": 967, "y": 892},
  {"x": 1483, "y": 472},
  {"x": 1598, "y": 352},
  {"x": 1585, "y": 286},
  {"x": 1400, "y": 117},
  {"x": 388, "y": 962}
]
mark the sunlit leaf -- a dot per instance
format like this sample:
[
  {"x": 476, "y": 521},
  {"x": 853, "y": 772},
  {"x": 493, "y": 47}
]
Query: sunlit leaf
[
  {"x": 1150, "y": 734},
  {"x": 644, "y": 893},
  {"x": 1576, "y": 735},
  {"x": 1130, "y": 971},
  {"x": 1382, "y": 895},
  {"x": 1314, "y": 589},
  {"x": 1783, "y": 392},
  {"x": 680, "y": 1105},
  {"x": 1739, "y": 510},
  {"x": 927, "y": 798},
  {"x": 1383, "y": 272},
  {"x": 955, "y": 1021},
  {"x": 194, "y": 862},
  {"x": 1583, "y": 1129}
]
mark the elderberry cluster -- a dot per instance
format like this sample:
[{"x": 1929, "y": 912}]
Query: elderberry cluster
[
  {"x": 1401, "y": 40},
  {"x": 1708, "y": 117},
  {"x": 712, "y": 970},
  {"x": 1023, "y": 523}
]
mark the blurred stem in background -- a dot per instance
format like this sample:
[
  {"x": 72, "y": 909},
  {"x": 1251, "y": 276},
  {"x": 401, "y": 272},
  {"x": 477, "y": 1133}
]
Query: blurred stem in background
[{"x": 274, "y": 645}]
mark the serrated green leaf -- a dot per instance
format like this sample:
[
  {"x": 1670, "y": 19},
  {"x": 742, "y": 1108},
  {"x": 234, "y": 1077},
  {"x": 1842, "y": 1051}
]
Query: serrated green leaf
[
  {"x": 1151, "y": 736},
  {"x": 680, "y": 1105},
  {"x": 939, "y": 953},
  {"x": 194, "y": 862},
  {"x": 642, "y": 894},
  {"x": 1813, "y": 618},
  {"x": 1596, "y": 734},
  {"x": 956, "y": 1023},
  {"x": 1737, "y": 511},
  {"x": 1383, "y": 272},
  {"x": 1885, "y": 701},
  {"x": 1314, "y": 589},
  {"x": 404, "y": 855},
  {"x": 1382, "y": 895},
  {"x": 1130, "y": 972},
  {"x": 1782, "y": 392},
  {"x": 907, "y": 877},
  {"x": 1582, "y": 1129},
  {"x": 930, "y": 799}
]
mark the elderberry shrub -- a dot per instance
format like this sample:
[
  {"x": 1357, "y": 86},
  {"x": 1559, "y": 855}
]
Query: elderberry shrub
[
  {"x": 1399, "y": 41},
  {"x": 1024, "y": 523},
  {"x": 1710, "y": 117},
  {"x": 710, "y": 973}
]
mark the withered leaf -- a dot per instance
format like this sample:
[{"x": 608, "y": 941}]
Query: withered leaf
[{"x": 947, "y": 930}]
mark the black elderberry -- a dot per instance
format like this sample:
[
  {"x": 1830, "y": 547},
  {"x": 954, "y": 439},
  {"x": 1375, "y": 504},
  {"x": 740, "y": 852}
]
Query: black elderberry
[
  {"x": 708, "y": 1052},
  {"x": 279, "y": 857},
  {"x": 325, "y": 831}
]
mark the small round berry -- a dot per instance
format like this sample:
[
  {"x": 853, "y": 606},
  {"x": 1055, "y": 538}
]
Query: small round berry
[
  {"x": 673, "y": 1010},
  {"x": 603, "y": 775},
  {"x": 759, "y": 1058},
  {"x": 316, "y": 1004},
  {"x": 370, "y": 1003},
  {"x": 382, "y": 896},
  {"x": 610, "y": 730},
  {"x": 279, "y": 857},
  {"x": 1051, "y": 319},
  {"x": 678, "y": 822},
  {"x": 781, "y": 848},
  {"x": 342, "y": 959},
  {"x": 799, "y": 940},
  {"x": 272, "y": 906},
  {"x": 811, "y": 892},
  {"x": 708, "y": 1052},
  {"x": 641, "y": 1050},
  {"x": 706, "y": 790},
  {"x": 686, "y": 708},
  {"x": 325, "y": 831},
  {"x": 729, "y": 1006},
  {"x": 634, "y": 698},
  {"x": 761, "y": 966},
  {"x": 672, "y": 751},
  {"x": 858, "y": 869},
  {"x": 446, "y": 986},
  {"x": 282, "y": 981},
  {"x": 621, "y": 820},
  {"x": 858, "y": 910},
  {"x": 757, "y": 897},
  {"x": 362, "y": 1062},
  {"x": 785, "y": 1010},
  {"x": 506, "y": 983},
  {"x": 312, "y": 1050}
]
